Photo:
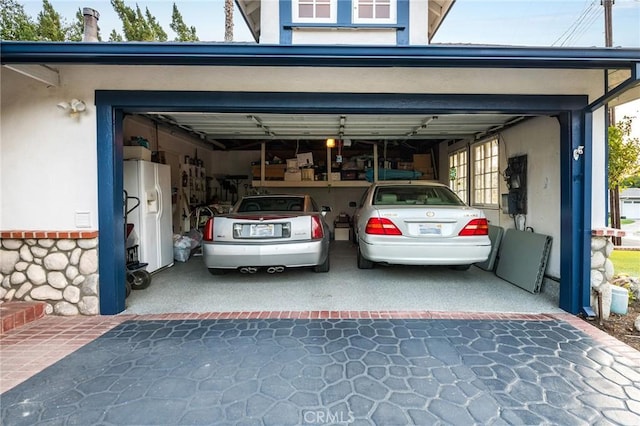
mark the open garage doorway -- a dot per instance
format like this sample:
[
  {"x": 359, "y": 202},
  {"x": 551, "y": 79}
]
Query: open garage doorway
[{"x": 560, "y": 109}]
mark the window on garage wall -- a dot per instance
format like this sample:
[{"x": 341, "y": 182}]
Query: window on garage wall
[
  {"x": 374, "y": 11},
  {"x": 458, "y": 179},
  {"x": 315, "y": 11},
  {"x": 485, "y": 173}
]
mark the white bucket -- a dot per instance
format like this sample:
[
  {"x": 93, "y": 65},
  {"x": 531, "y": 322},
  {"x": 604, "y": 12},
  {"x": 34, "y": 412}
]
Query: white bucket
[{"x": 619, "y": 300}]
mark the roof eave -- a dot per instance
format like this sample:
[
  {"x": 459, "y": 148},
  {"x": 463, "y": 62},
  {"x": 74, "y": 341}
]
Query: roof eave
[{"x": 237, "y": 54}]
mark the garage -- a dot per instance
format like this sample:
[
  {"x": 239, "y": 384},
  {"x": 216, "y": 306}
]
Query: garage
[
  {"x": 542, "y": 103},
  {"x": 456, "y": 127}
]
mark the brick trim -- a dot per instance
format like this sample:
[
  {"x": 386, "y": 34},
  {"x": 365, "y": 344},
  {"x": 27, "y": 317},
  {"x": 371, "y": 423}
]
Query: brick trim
[
  {"x": 54, "y": 235},
  {"x": 607, "y": 232}
]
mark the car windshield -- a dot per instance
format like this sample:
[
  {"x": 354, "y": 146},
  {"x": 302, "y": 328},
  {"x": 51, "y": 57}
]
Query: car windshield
[
  {"x": 271, "y": 204},
  {"x": 418, "y": 194}
]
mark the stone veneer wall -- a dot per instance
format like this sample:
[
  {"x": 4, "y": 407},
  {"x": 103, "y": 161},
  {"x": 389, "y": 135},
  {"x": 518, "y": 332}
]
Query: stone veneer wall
[
  {"x": 59, "y": 268},
  {"x": 602, "y": 268}
]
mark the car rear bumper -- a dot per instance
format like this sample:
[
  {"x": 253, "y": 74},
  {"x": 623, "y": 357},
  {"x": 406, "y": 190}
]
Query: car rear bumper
[
  {"x": 420, "y": 254},
  {"x": 232, "y": 256}
]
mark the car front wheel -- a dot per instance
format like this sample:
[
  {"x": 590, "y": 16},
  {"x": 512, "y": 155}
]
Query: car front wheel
[{"x": 362, "y": 262}]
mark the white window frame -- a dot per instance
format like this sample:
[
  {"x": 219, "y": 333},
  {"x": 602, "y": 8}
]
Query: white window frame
[
  {"x": 485, "y": 174},
  {"x": 392, "y": 19},
  {"x": 333, "y": 12},
  {"x": 459, "y": 160}
]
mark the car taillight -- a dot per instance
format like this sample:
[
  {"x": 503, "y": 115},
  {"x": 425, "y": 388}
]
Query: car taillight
[
  {"x": 207, "y": 234},
  {"x": 475, "y": 227},
  {"x": 316, "y": 228},
  {"x": 381, "y": 226}
]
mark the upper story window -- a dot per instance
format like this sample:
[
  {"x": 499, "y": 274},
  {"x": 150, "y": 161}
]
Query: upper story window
[
  {"x": 374, "y": 11},
  {"x": 316, "y": 11}
]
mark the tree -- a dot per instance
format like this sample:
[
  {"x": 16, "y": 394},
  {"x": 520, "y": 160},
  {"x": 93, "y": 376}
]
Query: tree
[
  {"x": 50, "y": 24},
  {"x": 624, "y": 161},
  {"x": 183, "y": 33},
  {"x": 15, "y": 24},
  {"x": 137, "y": 26},
  {"x": 114, "y": 36}
]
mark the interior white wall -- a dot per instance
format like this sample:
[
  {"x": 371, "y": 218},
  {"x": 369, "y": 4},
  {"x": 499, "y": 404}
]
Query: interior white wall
[
  {"x": 539, "y": 139},
  {"x": 48, "y": 158}
]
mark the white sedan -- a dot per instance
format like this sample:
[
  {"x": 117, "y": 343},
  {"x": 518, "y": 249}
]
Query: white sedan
[
  {"x": 272, "y": 232},
  {"x": 418, "y": 223}
]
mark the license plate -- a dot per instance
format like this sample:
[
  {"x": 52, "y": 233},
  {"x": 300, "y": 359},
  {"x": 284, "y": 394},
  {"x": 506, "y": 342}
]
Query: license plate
[
  {"x": 262, "y": 230},
  {"x": 429, "y": 229}
]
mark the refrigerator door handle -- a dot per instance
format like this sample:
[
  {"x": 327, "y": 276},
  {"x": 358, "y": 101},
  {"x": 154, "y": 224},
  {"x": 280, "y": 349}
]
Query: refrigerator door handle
[{"x": 153, "y": 201}]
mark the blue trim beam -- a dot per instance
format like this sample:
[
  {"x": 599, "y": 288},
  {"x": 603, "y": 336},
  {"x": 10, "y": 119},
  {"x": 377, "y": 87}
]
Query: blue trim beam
[
  {"x": 575, "y": 200},
  {"x": 349, "y": 56},
  {"x": 629, "y": 83}
]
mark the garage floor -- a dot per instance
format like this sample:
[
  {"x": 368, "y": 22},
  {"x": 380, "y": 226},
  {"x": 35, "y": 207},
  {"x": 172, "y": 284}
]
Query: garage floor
[{"x": 188, "y": 287}]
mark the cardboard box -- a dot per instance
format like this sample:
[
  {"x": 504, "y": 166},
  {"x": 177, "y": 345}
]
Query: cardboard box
[
  {"x": 271, "y": 171},
  {"x": 422, "y": 161},
  {"x": 295, "y": 176},
  {"x": 335, "y": 176},
  {"x": 292, "y": 163},
  {"x": 405, "y": 165},
  {"x": 341, "y": 234},
  {"x": 136, "y": 153},
  {"x": 305, "y": 159}
]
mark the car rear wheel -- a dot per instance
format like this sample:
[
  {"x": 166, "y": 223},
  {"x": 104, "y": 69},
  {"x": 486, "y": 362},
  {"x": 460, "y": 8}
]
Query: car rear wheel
[
  {"x": 362, "y": 262},
  {"x": 324, "y": 267},
  {"x": 216, "y": 271},
  {"x": 460, "y": 267}
]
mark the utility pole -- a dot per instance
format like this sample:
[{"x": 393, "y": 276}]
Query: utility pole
[{"x": 608, "y": 30}]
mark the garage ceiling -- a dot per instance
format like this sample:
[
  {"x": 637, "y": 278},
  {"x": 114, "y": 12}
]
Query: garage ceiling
[{"x": 244, "y": 131}]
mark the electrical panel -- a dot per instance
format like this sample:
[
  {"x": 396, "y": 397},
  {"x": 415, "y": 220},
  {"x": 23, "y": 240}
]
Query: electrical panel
[{"x": 516, "y": 177}]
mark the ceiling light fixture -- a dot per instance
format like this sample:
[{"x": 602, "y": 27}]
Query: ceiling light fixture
[{"x": 331, "y": 143}]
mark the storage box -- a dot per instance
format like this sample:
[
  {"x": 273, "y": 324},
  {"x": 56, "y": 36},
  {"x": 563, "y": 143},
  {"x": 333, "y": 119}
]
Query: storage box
[
  {"x": 136, "y": 153},
  {"x": 307, "y": 174},
  {"x": 292, "y": 163},
  {"x": 421, "y": 161},
  {"x": 335, "y": 176},
  {"x": 271, "y": 171},
  {"x": 405, "y": 165},
  {"x": 293, "y": 175},
  {"x": 341, "y": 234},
  {"x": 305, "y": 159},
  {"x": 349, "y": 174}
]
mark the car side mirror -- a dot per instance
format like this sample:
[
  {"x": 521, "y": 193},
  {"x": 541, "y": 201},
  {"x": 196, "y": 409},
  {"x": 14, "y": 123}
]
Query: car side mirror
[{"x": 352, "y": 204}]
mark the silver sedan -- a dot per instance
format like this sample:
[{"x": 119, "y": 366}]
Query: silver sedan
[
  {"x": 418, "y": 223},
  {"x": 273, "y": 232}
]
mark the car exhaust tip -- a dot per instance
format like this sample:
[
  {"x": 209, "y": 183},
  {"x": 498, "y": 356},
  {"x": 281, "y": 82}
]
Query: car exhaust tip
[
  {"x": 271, "y": 270},
  {"x": 279, "y": 269},
  {"x": 252, "y": 270},
  {"x": 244, "y": 270}
]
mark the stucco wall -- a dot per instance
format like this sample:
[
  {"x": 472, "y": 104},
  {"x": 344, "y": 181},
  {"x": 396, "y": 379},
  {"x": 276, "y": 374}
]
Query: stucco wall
[
  {"x": 539, "y": 139},
  {"x": 50, "y": 159}
]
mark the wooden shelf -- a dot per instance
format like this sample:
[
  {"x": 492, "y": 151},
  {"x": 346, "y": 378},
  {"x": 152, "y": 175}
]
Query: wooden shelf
[{"x": 310, "y": 184}]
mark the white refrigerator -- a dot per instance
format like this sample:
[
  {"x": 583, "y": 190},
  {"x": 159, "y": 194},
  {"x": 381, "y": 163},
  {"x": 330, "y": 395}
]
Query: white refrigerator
[{"x": 152, "y": 220}]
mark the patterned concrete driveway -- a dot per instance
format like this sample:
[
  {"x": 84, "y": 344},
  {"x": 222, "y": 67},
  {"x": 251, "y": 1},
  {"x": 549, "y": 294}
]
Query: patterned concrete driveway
[{"x": 304, "y": 370}]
